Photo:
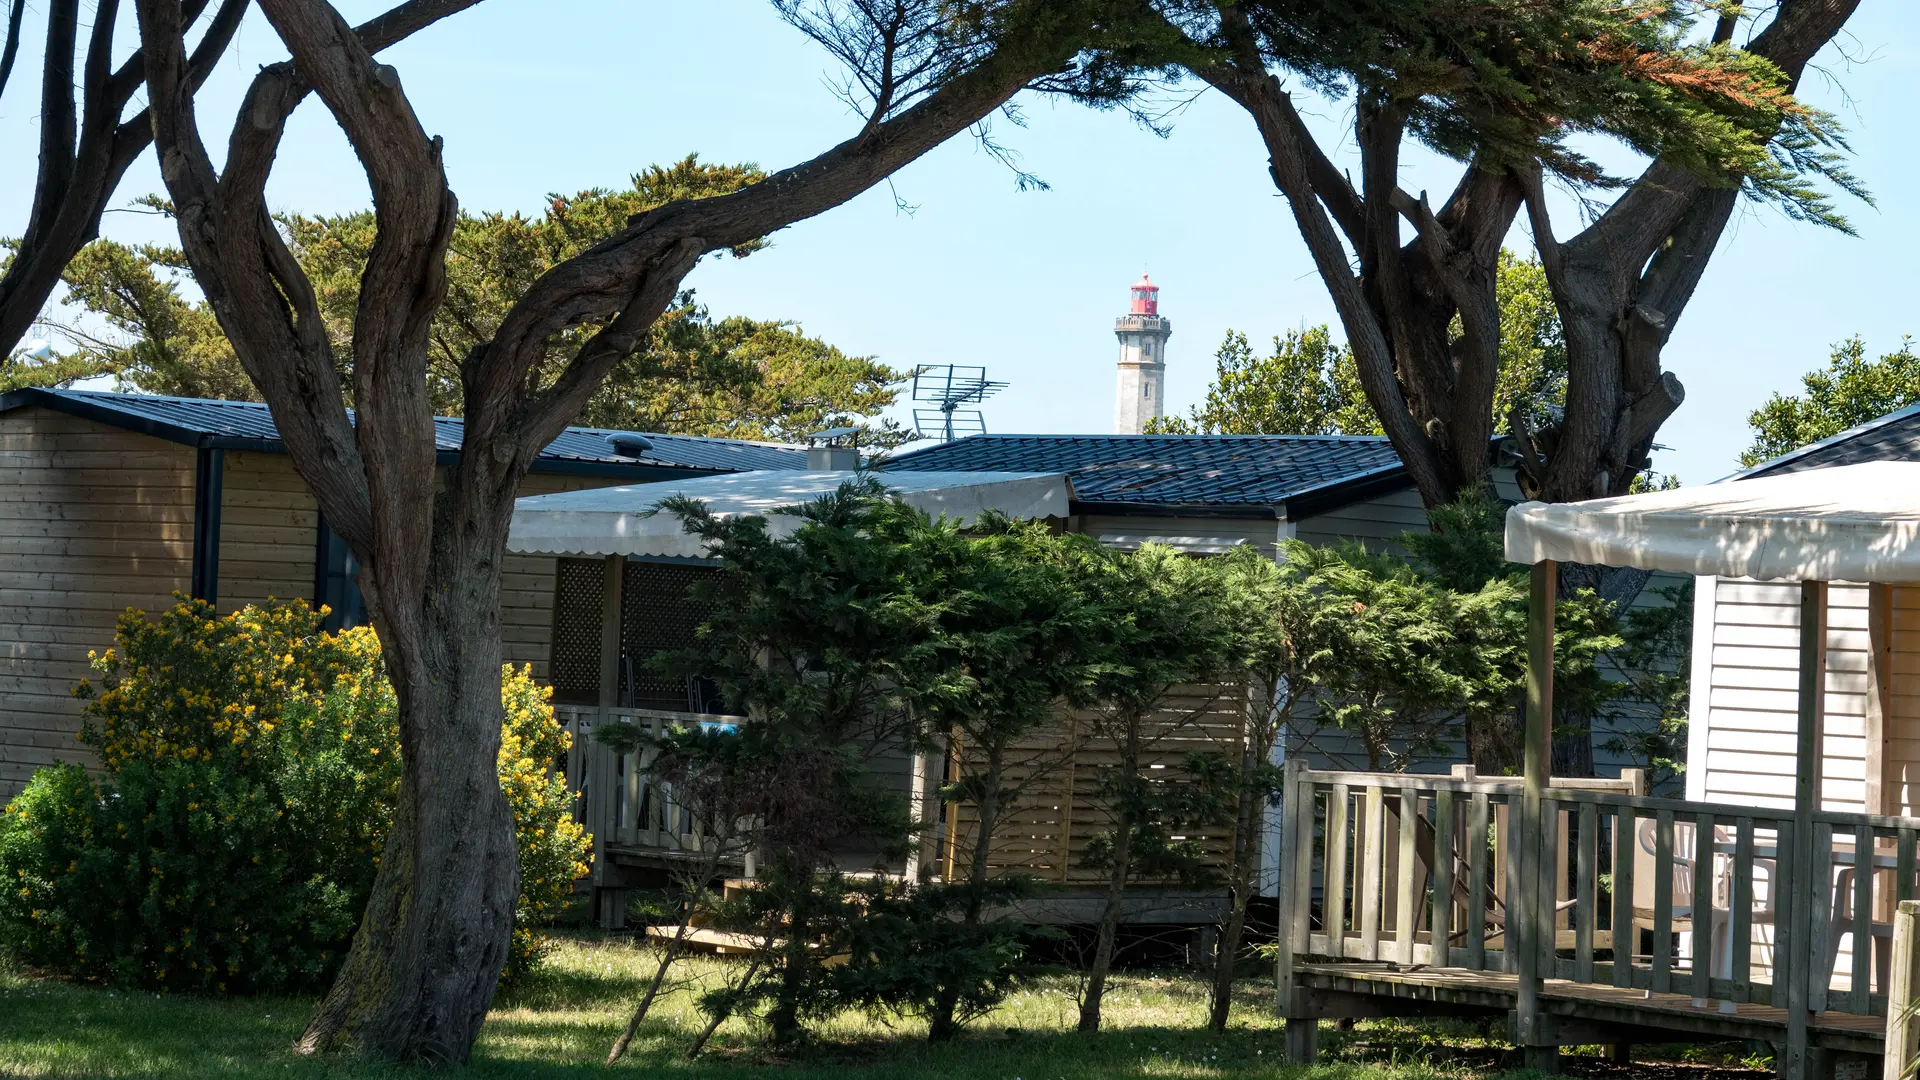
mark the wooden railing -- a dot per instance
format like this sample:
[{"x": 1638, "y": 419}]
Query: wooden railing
[
  {"x": 1658, "y": 894},
  {"x": 621, "y": 803}
]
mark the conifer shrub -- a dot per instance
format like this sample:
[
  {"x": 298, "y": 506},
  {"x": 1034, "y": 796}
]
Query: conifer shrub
[{"x": 250, "y": 766}]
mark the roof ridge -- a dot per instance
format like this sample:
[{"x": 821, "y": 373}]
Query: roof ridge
[{"x": 1848, "y": 435}]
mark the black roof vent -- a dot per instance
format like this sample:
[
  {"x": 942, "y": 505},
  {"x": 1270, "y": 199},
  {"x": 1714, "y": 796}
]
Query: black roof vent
[{"x": 627, "y": 444}]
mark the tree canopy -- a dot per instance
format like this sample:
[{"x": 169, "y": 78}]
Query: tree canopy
[
  {"x": 1505, "y": 88},
  {"x": 694, "y": 375},
  {"x": 1850, "y": 390}
]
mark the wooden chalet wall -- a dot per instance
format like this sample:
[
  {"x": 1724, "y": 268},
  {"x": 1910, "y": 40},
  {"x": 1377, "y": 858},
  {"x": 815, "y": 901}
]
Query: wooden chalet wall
[
  {"x": 93, "y": 520},
  {"x": 1745, "y": 698},
  {"x": 1057, "y": 809}
]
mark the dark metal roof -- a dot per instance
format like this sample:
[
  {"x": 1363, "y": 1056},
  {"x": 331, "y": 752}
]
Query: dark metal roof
[
  {"x": 247, "y": 425},
  {"x": 1893, "y": 437},
  {"x": 1299, "y": 475}
]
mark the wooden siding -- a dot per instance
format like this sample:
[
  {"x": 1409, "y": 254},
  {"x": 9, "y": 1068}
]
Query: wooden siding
[
  {"x": 1750, "y": 714},
  {"x": 1377, "y": 522},
  {"x": 93, "y": 520},
  {"x": 1202, "y": 534},
  {"x": 1902, "y": 765},
  {"x": 268, "y": 532}
]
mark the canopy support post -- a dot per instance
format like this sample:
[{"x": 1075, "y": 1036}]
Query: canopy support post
[
  {"x": 1807, "y": 879},
  {"x": 1532, "y": 914},
  {"x": 610, "y": 903}
]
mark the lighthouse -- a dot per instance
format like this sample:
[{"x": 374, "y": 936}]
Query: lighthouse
[{"x": 1143, "y": 335}]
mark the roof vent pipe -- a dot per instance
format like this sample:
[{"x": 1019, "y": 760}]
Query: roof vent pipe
[{"x": 628, "y": 444}]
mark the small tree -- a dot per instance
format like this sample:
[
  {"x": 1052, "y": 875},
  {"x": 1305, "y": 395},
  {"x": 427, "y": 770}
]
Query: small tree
[
  {"x": 1276, "y": 626},
  {"x": 1850, "y": 390},
  {"x": 1025, "y": 637},
  {"x": 828, "y": 638},
  {"x": 721, "y": 780},
  {"x": 1165, "y": 631}
]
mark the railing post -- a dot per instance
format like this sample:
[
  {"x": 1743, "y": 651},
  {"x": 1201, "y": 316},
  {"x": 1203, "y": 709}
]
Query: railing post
[
  {"x": 1524, "y": 913},
  {"x": 1903, "y": 1033},
  {"x": 1294, "y": 894}
]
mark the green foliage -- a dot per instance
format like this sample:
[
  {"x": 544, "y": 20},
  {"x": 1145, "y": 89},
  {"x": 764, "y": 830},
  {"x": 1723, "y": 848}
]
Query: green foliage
[
  {"x": 160, "y": 342},
  {"x": 1419, "y": 650},
  {"x": 1654, "y": 663},
  {"x": 1309, "y": 385},
  {"x": 1165, "y": 629},
  {"x": 252, "y": 766},
  {"x": 736, "y": 377},
  {"x": 1850, "y": 390},
  {"x": 1513, "y": 81},
  {"x": 1533, "y": 347},
  {"x": 832, "y": 637}
]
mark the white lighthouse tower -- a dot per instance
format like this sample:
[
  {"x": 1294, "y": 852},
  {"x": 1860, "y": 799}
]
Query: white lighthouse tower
[{"x": 1143, "y": 335}]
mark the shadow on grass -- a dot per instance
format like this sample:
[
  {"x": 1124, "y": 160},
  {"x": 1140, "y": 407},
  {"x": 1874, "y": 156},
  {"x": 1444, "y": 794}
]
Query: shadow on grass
[
  {"x": 560, "y": 1023},
  {"x": 57, "y": 1030}
]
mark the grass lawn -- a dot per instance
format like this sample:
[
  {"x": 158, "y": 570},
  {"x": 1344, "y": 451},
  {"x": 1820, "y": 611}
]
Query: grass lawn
[{"x": 563, "y": 1022}]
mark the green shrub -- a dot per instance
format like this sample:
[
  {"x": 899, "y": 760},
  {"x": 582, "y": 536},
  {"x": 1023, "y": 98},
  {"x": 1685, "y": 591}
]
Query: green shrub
[{"x": 252, "y": 764}]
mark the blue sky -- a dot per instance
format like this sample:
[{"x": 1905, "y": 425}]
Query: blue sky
[{"x": 533, "y": 98}]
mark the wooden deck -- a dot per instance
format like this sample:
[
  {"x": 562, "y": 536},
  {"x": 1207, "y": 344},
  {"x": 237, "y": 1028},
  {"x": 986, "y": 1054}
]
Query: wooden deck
[{"x": 1586, "y": 1013}]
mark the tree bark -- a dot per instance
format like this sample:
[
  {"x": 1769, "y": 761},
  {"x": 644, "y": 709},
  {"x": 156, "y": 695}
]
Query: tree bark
[
  {"x": 1621, "y": 285},
  {"x": 1432, "y": 394},
  {"x": 1240, "y": 883},
  {"x": 1128, "y": 769},
  {"x": 941, "y": 1023}
]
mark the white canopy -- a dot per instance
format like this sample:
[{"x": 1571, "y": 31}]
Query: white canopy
[
  {"x": 1846, "y": 523},
  {"x": 622, "y": 521}
]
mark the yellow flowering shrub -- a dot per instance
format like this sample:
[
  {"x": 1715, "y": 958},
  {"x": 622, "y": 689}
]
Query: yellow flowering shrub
[
  {"x": 192, "y": 685},
  {"x": 252, "y": 767},
  {"x": 553, "y": 847}
]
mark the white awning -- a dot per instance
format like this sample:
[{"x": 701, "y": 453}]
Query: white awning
[
  {"x": 621, "y": 520},
  {"x": 1847, "y": 523}
]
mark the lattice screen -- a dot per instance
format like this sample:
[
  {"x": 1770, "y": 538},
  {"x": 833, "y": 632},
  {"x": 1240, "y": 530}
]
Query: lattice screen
[
  {"x": 657, "y": 615},
  {"x": 578, "y": 586}
]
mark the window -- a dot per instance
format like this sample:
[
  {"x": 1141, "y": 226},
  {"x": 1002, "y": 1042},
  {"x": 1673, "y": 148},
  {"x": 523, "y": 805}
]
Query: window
[{"x": 334, "y": 585}]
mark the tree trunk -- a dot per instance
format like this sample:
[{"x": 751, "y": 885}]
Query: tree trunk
[
  {"x": 941, "y": 1026},
  {"x": 1109, "y": 929},
  {"x": 1240, "y": 886},
  {"x": 640, "y": 1011},
  {"x": 1493, "y": 743},
  {"x": 422, "y": 969},
  {"x": 796, "y": 968}
]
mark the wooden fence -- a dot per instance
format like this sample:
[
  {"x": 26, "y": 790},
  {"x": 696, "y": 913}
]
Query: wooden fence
[
  {"x": 1656, "y": 894},
  {"x": 1053, "y": 778}
]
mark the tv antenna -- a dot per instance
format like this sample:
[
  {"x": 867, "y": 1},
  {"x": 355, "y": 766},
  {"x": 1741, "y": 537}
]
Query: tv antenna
[{"x": 954, "y": 391}]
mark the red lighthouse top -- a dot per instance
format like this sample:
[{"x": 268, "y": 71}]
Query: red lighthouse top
[{"x": 1146, "y": 297}]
